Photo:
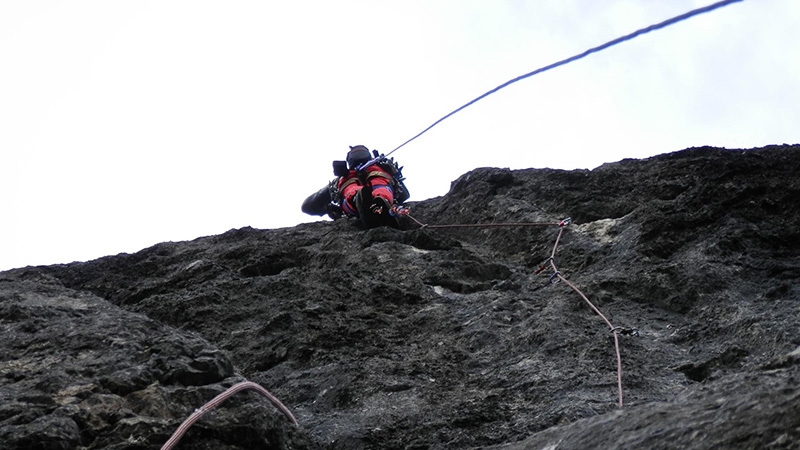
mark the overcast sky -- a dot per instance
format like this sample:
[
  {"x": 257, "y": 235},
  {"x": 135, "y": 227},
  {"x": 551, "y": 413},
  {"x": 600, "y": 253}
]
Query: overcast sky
[{"x": 128, "y": 123}]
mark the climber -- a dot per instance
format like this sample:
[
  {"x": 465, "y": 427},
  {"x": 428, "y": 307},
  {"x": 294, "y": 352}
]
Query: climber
[{"x": 367, "y": 186}]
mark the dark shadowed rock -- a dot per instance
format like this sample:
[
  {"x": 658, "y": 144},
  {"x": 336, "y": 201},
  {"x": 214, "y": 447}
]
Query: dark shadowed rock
[
  {"x": 437, "y": 337},
  {"x": 79, "y": 372}
]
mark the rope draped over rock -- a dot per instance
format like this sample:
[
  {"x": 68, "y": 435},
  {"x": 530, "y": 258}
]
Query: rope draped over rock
[
  {"x": 557, "y": 276},
  {"x": 216, "y": 401}
]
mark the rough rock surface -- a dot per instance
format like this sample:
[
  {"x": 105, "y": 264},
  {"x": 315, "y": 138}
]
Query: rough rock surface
[{"x": 435, "y": 337}]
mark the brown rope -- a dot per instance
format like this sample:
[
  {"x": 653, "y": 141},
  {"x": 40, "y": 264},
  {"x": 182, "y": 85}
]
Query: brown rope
[
  {"x": 614, "y": 330},
  {"x": 498, "y": 224},
  {"x": 216, "y": 401},
  {"x": 484, "y": 225},
  {"x": 556, "y": 274}
]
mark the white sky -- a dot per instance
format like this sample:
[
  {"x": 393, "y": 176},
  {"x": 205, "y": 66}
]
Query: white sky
[{"x": 128, "y": 123}]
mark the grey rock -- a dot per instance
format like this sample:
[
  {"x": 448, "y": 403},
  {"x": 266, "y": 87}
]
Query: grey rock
[{"x": 439, "y": 337}]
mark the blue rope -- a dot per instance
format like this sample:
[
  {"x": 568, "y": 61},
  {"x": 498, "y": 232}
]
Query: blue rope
[{"x": 608, "y": 44}]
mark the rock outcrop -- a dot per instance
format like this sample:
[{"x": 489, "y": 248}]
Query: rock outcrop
[{"x": 439, "y": 336}]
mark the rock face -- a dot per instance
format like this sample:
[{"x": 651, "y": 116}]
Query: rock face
[{"x": 440, "y": 337}]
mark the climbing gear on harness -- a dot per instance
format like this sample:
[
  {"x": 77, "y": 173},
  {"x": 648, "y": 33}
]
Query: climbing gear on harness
[
  {"x": 380, "y": 206},
  {"x": 399, "y": 210}
]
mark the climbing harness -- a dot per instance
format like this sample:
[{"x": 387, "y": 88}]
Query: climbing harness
[{"x": 399, "y": 210}]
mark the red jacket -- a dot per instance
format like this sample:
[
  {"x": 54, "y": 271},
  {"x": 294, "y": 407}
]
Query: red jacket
[{"x": 379, "y": 179}]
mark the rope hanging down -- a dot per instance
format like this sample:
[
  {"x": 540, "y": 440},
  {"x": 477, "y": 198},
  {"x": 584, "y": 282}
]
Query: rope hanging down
[
  {"x": 557, "y": 276},
  {"x": 608, "y": 44},
  {"x": 614, "y": 330}
]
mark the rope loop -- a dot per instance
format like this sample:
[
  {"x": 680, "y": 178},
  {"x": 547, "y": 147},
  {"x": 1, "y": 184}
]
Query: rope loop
[{"x": 216, "y": 401}]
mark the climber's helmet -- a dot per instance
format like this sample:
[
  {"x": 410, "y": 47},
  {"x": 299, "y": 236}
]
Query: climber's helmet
[{"x": 357, "y": 155}]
